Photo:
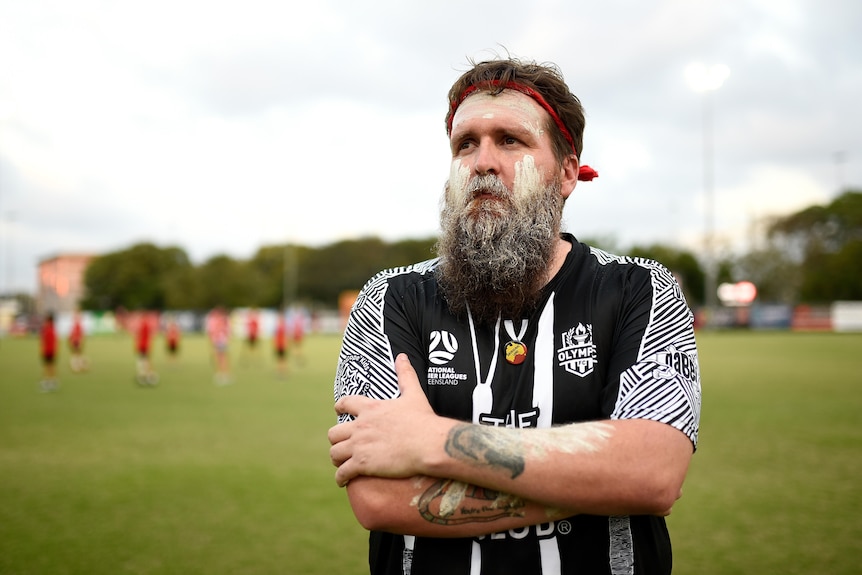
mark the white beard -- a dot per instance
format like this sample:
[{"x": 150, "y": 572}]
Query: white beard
[{"x": 495, "y": 252}]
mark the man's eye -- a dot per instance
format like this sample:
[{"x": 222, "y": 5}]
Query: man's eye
[{"x": 510, "y": 140}]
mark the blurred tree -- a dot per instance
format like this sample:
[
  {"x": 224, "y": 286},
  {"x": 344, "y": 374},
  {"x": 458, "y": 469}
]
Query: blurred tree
[
  {"x": 268, "y": 265},
  {"x": 409, "y": 252},
  {"x": 681, "y": 263},
  {"x": 341, "y": 266},
  {"x": 834, "y": 276},
  {"x": 182, "y": 289},
  {"x": 775, "y": 274},
  {"x": 224, "y": 281},
  {"x": 326, "y": 272},
  {"x": 134, "y": 278},
  {"x": 825, "y": 242},
  {"x": 812, "y": 255},
  {"x": 280, "y": 270},
  {"x": 821, "y": 229}
]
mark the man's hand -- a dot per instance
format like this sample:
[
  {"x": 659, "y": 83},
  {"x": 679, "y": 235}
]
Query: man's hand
[{"x": 386, "y": 438}]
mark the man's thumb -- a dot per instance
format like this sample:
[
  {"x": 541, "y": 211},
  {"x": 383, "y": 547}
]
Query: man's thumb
[{"x": 408, "y": 381}]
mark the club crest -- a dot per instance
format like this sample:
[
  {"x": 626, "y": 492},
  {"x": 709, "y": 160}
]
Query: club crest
[{"x": 578, "y": 352}]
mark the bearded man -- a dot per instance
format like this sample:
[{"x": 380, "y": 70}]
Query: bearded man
[{"x": 524, "y": 403}]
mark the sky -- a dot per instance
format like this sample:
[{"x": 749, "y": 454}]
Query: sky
[{"x": 222, "y": 127}]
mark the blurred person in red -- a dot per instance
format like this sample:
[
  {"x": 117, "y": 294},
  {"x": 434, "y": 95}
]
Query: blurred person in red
[
  {"x": 252, "y": 332},
  {"x": 48, "y": 351},
  {"x": 280, "y": 341},
  {"x": 297, "y": 335},
  {"x": 143, "y": 340},
  {"x": 172, "y": 338},
  {"x": 78, "y": 361},
  {"x": 218, "y": 331}
]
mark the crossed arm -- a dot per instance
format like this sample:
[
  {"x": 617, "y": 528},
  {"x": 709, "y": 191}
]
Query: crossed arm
[{"x": 408, "y": 470}]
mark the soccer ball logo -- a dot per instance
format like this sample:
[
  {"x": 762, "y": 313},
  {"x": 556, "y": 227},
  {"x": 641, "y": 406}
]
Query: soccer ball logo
[{"x": 442, "y": 348}]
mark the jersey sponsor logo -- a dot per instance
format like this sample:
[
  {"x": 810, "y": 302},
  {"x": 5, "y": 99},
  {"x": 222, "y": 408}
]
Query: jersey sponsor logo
[
  {"x": 442, "y": 348},
  {"x": 672, "y": 362},
  {"x": 512, "y": 419},
  {"x": 541, "y": 531},
  {"x": 578, "y": 352},
  {"x": 352, "y": 376}
]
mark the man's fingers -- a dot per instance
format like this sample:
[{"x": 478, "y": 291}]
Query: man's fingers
[
  {"x": 344, "y": 474},
  {"x": 351, "y": 404},
  {"x": 338, "y": 455},
  {"x": 338, "y": 433},
  {"x": 408, "y": 381}
]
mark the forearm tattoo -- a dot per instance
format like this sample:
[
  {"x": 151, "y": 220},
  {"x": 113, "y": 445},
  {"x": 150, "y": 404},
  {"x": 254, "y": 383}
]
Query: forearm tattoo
[
  {"x": 508, "y": 448},
  {"x": 450, "y": 502},
  {"x": 485, "y": 446}
]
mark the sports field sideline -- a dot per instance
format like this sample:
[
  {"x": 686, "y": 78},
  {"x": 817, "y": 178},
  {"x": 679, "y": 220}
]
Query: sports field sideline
[{"x": 106, "y": 477}]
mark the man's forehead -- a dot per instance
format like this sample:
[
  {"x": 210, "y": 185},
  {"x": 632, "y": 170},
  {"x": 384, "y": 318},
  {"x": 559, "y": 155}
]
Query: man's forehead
[{"x": 484, "y": 105}]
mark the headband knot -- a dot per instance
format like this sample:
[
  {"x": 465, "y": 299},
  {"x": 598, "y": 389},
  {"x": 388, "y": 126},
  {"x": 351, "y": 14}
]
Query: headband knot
[{"x": 585, "y": 173}]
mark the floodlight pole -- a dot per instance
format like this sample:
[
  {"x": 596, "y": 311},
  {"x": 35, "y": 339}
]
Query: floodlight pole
[
  {"x": 10, "y": 253},
  {"x": 706, "y": 81},
  {"x": 711, "y": 276},
  {"x": 289, "y": 276}
]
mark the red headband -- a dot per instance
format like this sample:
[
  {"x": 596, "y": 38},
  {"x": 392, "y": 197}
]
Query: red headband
[{"x": 585, "y": 173}]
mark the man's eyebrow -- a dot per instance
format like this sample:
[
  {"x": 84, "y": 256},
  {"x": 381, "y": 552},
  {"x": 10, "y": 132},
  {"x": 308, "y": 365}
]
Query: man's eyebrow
[{"x": 512, "y": 127}]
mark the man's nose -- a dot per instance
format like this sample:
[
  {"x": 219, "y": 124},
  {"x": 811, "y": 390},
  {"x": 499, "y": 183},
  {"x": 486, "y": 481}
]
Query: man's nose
[{"x": 487, "y": 160}]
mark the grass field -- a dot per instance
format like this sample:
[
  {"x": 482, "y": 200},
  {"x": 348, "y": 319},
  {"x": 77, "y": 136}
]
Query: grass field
[{"x": 105, "y": 477}]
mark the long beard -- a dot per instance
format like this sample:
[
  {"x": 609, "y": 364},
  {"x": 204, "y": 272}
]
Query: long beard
[{"x": 496, "y": 252}]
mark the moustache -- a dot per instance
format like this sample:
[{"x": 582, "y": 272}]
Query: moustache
[{"x": 488, "y": 184}]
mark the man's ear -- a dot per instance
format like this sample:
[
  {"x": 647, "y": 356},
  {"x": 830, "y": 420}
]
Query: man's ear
[{"x": 569, "y": 175}]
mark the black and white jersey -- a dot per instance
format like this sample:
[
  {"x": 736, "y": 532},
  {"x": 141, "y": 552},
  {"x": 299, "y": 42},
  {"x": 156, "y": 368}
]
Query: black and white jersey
[{"x": 612, "y": 338}]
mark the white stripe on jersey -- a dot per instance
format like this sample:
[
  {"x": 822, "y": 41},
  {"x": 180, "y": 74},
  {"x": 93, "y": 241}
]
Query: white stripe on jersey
[
  {"x": 549, "y": 551},
  {"x": 475, "y": 559},
  {"x": 543, "y": 374},
  {"x": 621, "y": 552},
  {"x": 407, "y": 554}
]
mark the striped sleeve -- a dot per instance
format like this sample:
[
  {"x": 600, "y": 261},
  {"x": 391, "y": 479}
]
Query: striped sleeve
[
  {"x": 366, "y": 362},
  {"x": 664, "y": 383}
]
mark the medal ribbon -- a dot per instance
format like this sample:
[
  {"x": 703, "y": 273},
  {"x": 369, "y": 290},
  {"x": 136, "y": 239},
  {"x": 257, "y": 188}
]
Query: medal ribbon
[
  {"x": 483, "y": 397},
  {"x": 510, "y": 330}
]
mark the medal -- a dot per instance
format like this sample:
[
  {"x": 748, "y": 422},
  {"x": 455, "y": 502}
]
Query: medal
[{"x": 516, "y": 350}]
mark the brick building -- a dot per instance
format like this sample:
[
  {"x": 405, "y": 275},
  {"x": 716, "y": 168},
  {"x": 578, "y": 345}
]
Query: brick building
[{"x": 61, "y": 282}]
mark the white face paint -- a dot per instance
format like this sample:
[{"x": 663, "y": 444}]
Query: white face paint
[
  {"x": 527, "y": 177},
  {"x": 504, "y": 133},
  {"x": 459, "y": 178},
  {"x": 524, "y": 109}
]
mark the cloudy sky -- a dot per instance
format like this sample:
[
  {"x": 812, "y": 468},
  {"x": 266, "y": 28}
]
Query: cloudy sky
[{"x": 224, "y": 126}]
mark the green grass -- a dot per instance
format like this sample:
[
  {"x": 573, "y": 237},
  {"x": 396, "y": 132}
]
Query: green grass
[
  {"x": 188, "y": 477},
  {"x": 104, "y": 477},
  {"x": 775, "y": 484}
]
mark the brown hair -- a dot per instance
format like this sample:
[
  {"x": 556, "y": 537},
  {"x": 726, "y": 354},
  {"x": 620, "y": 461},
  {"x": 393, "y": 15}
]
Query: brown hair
[{"x": 544, "y": 79}]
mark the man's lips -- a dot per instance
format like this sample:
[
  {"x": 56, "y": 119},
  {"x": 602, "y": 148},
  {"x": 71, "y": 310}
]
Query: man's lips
[{"x": 484, "y": 196}]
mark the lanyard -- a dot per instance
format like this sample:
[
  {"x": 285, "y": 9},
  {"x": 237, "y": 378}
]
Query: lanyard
[{"x": 483, "y": 397}]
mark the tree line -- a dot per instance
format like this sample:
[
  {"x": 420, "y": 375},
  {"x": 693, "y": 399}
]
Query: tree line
[{"x": 811, "y": 256}]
